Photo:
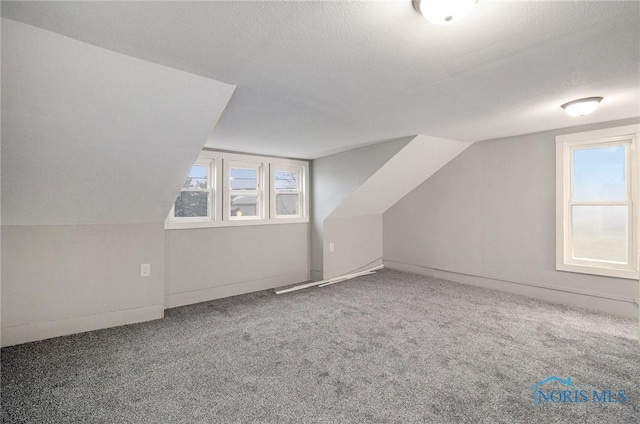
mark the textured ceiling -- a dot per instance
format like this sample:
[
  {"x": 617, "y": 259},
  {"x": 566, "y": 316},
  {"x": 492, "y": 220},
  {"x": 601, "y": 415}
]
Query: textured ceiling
[{"x": 318, "y": 77}]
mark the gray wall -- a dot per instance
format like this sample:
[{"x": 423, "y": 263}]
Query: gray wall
[
  {"x": 59, "y": 280},
  {"x": 96, "y": 146},
  {"x": 357, "y": 241},
  {"x": 333, "y": 179},
  {"x": 209, "y": 263},
  {"x": 488, "y": 218}
]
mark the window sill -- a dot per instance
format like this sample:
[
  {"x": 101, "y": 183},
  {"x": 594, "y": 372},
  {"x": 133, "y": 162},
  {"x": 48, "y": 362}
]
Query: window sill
[
  {"x": 237, "y": 223},
  {"x": 593, "y": 270}
]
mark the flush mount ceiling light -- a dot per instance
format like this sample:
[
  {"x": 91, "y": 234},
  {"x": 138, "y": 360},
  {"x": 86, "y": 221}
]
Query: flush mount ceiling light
[
  {"x": 582, "y": 107},
  {"x": 443, "y": 11}
]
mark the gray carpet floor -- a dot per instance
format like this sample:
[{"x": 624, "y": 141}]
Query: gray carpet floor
[{"x": 385, "y": 348}]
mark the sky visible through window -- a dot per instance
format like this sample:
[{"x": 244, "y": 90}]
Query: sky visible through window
[
  {"x": 190, "y": 203},
  {"x": 599, "y": 174},
  {"x": 243, "y": 179},
  {"x": 197, "y": 177},
  {"x": 286, "y": 181},
  {"x": 600, "y": 231}
]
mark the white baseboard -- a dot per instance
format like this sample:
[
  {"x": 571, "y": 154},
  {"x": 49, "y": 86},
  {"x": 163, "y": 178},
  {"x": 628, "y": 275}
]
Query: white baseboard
[
  {"x": 583, "y": 299},
  {"x": 211, "y": 293},
  {"x": 45, "y": 330},
  {"x": 328, "y": 275}
]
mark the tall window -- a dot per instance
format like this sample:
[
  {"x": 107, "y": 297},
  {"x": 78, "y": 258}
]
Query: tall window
[
  {"x": 195, "y": 201},
  {"x": 286, "y": 185},
  {"x": 597, "y": 197}
]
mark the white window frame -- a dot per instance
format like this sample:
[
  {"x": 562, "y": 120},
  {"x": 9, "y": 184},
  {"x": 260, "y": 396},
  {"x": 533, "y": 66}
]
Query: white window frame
[
  {"x": 210, "y": 164},
  {"x": 220, "y": 164},
  {"x": 565, "y": 146},
  {"x": 259, "y": 167},
  {"x": 302, "y": 175}
]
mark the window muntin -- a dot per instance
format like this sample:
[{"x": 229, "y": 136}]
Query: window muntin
[{"x": 597, "y": 221}]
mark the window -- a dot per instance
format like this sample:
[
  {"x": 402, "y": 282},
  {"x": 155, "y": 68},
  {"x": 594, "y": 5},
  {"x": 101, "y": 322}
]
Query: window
[
  {"x": 225, "y": 189},
  {"x": 597, "y": 197},
  {"x": 286, "y": 186},
  {"x": 196, "y": 199},
  {"x": 245, "y": 190}
]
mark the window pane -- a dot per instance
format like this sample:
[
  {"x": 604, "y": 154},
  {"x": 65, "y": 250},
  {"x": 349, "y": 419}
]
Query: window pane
[
  {"x": 197, "y": 177},
  {"x": 286, "y": 181},
  {"x": 243, "y": 179},
  {"x": 244, "y": 205},
  {"x": 599, "y": 174},
  {"x": 600, "y": 233},
  {"x": 191, "y": 204},
  {"x": 287, "y": 204}
]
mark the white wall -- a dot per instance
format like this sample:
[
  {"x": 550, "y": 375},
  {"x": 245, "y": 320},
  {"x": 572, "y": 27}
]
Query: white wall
[
  {"x": 210, "y": 263},
  {"x": 63, "y": 279},
  {"x": 354, "y": 227},
  {"x": 333, "y": 179},
  {"x": 95, "y": 148},
  {"x": 357, "y": 244},
  {"x": 488, "y": 218}
]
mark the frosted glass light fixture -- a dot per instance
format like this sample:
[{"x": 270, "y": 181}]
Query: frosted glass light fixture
[
  {"x": 443, "y": 11},
  {"x": 582, "y": 107}
]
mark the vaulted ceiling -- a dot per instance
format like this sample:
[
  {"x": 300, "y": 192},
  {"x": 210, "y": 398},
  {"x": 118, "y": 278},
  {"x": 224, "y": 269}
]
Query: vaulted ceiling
[{"x": 319, "y": 77}]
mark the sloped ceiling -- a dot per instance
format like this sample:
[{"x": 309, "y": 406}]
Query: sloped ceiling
[
  {"x": 411, "y": 166},
  {"x": 319, "y": 77},
  {"x": 90, "y": 136}
]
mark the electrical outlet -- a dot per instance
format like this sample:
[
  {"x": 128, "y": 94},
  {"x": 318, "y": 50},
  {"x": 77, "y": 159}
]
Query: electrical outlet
[
  {"x": 332, "y": 247},
  {"x": 145, "y": 270}
]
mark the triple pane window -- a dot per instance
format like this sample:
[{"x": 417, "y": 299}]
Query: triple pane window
[{"x": 224, "y": 189}]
